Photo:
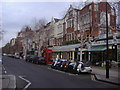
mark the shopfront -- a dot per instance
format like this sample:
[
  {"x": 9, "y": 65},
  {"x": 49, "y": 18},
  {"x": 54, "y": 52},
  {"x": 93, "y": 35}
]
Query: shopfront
[
  {"x": 65, "y": 52},
  {"x": 98, "y": 54}
]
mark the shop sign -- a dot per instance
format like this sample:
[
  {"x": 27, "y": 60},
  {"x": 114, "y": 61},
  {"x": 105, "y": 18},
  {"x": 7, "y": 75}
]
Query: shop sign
[{"x": 78, "y": 53}]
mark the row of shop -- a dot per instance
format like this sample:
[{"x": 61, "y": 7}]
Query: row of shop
[{"x": 97, "y": 53}]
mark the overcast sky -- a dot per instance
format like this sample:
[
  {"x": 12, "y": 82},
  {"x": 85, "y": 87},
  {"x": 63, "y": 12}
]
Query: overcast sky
[{"x": 17, "y": 14}]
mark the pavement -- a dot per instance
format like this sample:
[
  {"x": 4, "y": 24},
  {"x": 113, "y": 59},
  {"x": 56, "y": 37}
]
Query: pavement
[
  {"x": 100, "y": 74},
  {"x": 6, "y": 81}
]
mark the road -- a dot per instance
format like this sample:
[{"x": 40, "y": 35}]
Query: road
[{"x": 42, "y": 76}]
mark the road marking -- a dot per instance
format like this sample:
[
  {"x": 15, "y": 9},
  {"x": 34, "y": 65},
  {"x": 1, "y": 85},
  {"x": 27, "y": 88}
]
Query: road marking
[
  {"x": 4, "y": 69},
  {"x": 29, "y": 83}
]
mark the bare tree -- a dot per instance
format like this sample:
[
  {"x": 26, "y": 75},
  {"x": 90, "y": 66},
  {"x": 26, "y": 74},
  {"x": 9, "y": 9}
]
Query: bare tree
[
  {"x": 32, "y": 34},
  {"x": 27, "y": 35},
  {"x": 38, "y": 23},
  {"x": 116, "y": 5}
]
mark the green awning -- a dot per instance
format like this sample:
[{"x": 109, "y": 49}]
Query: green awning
[{"x": 97, "y": 48}]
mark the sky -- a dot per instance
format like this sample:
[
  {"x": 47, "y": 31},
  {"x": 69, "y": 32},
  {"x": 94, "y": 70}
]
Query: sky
[{"x": 17, "y": 14}]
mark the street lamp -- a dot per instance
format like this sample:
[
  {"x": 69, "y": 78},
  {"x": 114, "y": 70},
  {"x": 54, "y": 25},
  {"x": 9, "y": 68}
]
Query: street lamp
[
  {"x": 89, "y": 47},
  {"x": 107, "y": 61}
]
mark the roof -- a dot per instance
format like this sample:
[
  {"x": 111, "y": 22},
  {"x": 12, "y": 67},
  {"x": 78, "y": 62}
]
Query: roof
[
  {"x": 56, "y": 20},
  {"x": 72, "y": 9},
  {"x": 48, "y": 23}
]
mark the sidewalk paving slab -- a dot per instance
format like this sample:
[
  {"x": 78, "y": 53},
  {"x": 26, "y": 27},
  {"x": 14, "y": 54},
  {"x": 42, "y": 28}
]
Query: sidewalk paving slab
[
  {"x": 8, "y": 81},
  {"x": 111, "y": 80},
  {"x": 100, "y": 75}
]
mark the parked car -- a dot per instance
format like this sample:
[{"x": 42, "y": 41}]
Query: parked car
[
  {"x": 11, "y": 55},
  {"x": 32, "y": 58},
  {"x": 4, "y": 54},
  {"x": 39, "y": 60},
  {"x": 29, "y": 58},
  {"x": 17, "y": 56}
]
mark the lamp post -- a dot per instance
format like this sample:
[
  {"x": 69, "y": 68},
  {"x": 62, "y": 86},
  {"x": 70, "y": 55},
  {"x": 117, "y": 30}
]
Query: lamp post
[
  {"x": 107, "y": 61},
  {"x": 89, "y": 48}
]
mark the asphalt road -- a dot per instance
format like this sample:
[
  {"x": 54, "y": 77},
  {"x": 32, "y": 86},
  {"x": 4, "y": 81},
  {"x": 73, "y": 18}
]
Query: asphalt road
[{"x": 42, "y": 76}]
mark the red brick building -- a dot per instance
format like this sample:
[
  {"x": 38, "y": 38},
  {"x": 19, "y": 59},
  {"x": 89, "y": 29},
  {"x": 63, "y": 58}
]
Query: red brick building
[
  {"x": 91, "y": 20},
  {"x": 70, "y": 25}
]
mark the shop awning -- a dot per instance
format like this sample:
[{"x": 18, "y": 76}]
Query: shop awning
[
  {"x": 65, "y": 48},
  {"x": 72, "y": 48},
  {"x": 97, "y": 48}
]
